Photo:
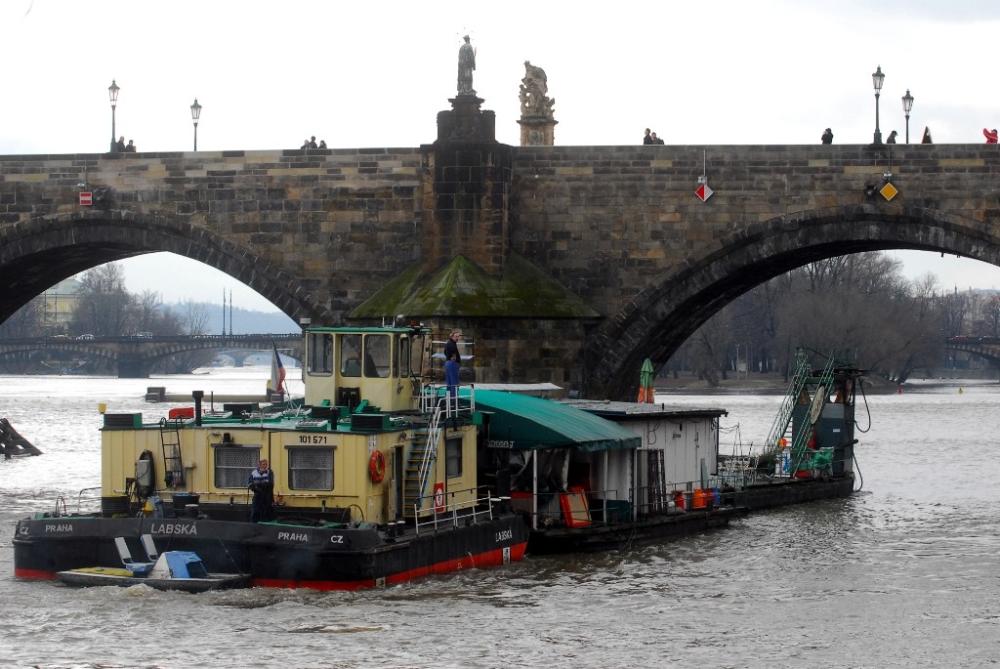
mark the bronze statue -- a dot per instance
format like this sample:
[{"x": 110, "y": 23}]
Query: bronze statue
[{"x": 466, "y": 64}]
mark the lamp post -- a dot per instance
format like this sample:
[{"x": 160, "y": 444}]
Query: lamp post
[
  {"x": 877, "y": 79},
  {"x": 195, "y": 115},
  {"x": 907, "y": 106},
  {"x": 113, "y": 95}
]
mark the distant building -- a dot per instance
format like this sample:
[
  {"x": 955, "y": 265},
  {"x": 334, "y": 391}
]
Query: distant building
[{"x": 59, "y": 303}]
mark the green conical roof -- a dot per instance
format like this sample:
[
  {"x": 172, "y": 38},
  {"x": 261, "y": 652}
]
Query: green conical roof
[{"x": 462, "y": 288}]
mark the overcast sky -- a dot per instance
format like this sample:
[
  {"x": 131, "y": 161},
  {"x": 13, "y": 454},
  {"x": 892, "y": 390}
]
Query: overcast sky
[{"x": 372, "y": 73}]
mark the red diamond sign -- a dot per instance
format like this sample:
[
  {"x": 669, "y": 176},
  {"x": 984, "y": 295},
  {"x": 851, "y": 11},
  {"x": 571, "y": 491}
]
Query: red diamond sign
[
  {"x": 703, "y": 192},
  {"x": 86, "y": 198}
]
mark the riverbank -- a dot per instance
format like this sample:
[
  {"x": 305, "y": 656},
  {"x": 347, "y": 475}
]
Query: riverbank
[{"x": 776, "y": 384}]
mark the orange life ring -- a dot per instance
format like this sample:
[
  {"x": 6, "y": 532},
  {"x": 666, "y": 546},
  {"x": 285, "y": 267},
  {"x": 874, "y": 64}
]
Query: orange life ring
[{"x": 376, "y": 466}]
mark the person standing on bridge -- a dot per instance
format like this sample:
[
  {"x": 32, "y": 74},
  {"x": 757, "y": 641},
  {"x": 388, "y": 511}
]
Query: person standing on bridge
[
  {"x": 827, "y": 137},
  {"x": 927, "y": 136},
  {"x": 892, "y": 138}
]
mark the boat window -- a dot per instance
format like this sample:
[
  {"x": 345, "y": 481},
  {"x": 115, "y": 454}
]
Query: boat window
[
  {"x": 233, "y": 465},
  {"x": 310, "y": 468},
  {"x": 377, "y": 353},
  {"x": 350, "y": 355},
  {"x": 320, "y": 353},
  {"x": 401, "y": 365},
  {"x": 453, "y": 457}
]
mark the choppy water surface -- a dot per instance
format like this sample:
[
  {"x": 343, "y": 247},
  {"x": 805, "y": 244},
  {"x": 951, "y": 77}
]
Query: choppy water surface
[{"x": 904, "y": 574}]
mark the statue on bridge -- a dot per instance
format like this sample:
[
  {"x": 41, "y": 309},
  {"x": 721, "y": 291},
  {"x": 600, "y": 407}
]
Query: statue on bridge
[
  {"x": 466, "y": 65},
  {"x": 534, "y": 92}
]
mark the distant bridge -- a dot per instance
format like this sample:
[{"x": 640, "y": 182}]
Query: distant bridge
[
  {"x": 134, "y": 356},
  {"x": 985, "y": 347}
]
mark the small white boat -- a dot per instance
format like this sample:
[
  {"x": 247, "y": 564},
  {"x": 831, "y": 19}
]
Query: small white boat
[{"x": 173, "y": 570}]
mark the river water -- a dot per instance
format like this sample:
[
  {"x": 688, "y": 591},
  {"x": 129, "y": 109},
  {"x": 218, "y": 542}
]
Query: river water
[{"x": 905, "y": 573}]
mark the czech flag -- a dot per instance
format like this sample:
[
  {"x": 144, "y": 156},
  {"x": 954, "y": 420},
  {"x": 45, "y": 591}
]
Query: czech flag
[{"x": 277, "y": 372}]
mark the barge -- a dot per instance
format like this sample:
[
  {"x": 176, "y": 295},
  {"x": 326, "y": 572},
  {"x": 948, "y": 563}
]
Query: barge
[{"x": 375, "y": 480}]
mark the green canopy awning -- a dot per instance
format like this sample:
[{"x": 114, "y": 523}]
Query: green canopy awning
[{"x": 522, "y": 422}]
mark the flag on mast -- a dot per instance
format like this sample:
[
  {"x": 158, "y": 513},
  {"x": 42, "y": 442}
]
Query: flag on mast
[{"x": 277, "y": 373}]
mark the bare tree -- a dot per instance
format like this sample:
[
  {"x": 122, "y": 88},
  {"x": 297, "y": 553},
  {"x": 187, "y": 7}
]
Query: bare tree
[
  {"x": 104, "y": 305},
  {"x": 193, "y": 317}
]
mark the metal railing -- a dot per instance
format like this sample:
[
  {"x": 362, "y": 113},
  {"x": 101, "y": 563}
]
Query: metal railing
[
  {"x": 434, "y": 395},
  {"x": 452, "y": 513}
]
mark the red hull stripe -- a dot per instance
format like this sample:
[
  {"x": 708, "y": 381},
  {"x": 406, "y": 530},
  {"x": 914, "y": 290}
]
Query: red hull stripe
[
  {"x": 34, "y": 574},
  {"x": 493, "y": 558}
]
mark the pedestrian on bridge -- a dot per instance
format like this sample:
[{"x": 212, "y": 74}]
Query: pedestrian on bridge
[
  {"x": 827, "y": 137},
  {"x": 892, "y": 138},
  {"x": 927, "y": 136},
  {"x": 990, "y": 135}
]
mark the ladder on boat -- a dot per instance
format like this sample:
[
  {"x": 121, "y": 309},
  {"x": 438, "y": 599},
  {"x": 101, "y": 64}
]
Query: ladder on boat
[
  {"x": 656, "y": 496},
  {"x": 779, "y": 428},
  {"x": 170, "y": 443},
  {"x": 824, "y": 384},
  {"x": 420, "y": 464}
]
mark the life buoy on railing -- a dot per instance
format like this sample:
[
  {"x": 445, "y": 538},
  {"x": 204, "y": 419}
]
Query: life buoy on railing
[{"x": 376, "y": 466}]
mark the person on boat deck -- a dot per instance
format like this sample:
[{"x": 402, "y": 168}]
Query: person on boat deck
[
  {"x": 262, "y": 483},
  {"x": 452, "y": 362}
]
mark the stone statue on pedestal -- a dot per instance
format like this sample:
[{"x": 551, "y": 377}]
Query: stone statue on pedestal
[
  {"x": 534, "y": 92},
  {"x": 466, "y": 65}
]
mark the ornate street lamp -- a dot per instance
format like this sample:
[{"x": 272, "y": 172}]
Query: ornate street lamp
[
  {"x": 907, "y": 106},
  {"x": 113, "y": 95},
  {"x": 195, "y": 115},
  {"x": 877, "y": 79}
]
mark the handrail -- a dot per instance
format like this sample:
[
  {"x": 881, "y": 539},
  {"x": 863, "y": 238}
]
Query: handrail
[
  {"x": 430, "y": 453},
  {"x": 780, "y": 424},
  {"x": 451, "y": 513}
]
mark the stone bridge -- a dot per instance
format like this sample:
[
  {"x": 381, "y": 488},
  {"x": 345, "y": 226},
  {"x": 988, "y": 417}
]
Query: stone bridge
[
  {"x": 568, "y": 264},
  {"x": 134, "y": 356},
  {"x": 987, "y": 348}
]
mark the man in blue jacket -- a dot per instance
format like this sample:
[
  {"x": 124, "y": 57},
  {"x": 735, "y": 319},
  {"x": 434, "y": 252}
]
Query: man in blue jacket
[{"x": 262, "y": 483}]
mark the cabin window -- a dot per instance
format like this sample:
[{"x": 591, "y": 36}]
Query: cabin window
[
  {"x": 310, "y": 468},
  {"x": 320, "y": 353},
  {"x": 377, "y": 353},
  {"x": 233, "y": 465},
  {"x": 350, "y": 355},
  {"x": 453, "y": 457},
  {"x": 401, "y": 365}
]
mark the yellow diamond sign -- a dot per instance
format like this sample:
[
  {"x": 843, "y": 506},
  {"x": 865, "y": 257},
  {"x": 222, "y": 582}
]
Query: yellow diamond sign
[{"x": 889, "y": 191}]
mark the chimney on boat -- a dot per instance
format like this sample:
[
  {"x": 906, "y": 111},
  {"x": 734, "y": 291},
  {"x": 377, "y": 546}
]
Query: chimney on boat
[{"x": 197, "y": 395}]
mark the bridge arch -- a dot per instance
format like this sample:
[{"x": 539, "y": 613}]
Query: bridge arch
[
  {"x": 661, "y": 317},
  {"x": 37, "y": 254}
]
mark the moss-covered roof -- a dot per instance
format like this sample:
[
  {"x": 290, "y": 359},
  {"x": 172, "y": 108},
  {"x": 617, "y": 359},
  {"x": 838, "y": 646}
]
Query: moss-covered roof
[{"x": 462, "y": 288}]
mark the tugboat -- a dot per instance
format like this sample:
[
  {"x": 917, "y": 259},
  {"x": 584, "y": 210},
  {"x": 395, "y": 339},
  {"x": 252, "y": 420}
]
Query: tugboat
[{"x": 376, "y": 479}]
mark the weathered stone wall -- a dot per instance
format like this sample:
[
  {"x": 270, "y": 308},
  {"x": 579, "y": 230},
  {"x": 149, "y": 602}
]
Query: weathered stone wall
[
  {"x": 321, "y": 226},
  {"x": 317, "y": 232}
]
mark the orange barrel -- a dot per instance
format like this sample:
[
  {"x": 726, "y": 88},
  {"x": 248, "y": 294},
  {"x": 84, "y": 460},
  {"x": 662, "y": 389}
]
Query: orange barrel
[
  {"x": 679, "y": 499},
  {"x": 698, "y": 499}
]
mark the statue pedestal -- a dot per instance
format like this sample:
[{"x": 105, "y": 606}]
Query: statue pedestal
[
  {"x": 466, "y": 123},
  {"x": 537, "y": 130}
]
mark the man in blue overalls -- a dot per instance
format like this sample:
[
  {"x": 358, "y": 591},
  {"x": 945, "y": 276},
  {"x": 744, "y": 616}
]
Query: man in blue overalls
[{"x": 262, "y": 483}]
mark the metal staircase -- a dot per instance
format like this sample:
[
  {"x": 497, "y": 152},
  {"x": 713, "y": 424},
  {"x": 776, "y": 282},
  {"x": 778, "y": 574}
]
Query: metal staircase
[
  {"x": 782, "y": 421},
  {"x": 170, "y": 443},
  {"x": 821, "y": 393},
  {"x": 419, "y": 465}
]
